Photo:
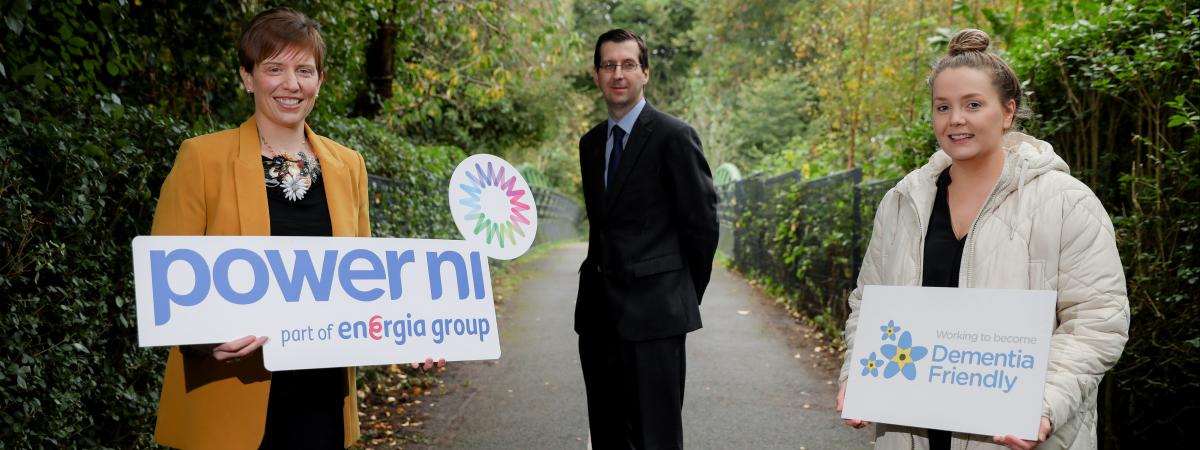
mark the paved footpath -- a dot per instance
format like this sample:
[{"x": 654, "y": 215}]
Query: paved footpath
[{"x": 751, "y": 382}]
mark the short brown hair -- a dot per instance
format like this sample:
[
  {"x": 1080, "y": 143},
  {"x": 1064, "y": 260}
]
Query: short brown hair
[
  {"x": 275, "y": 30},
  {"x": 619, "y": 35},
  {"x": 969, "y": 48}
]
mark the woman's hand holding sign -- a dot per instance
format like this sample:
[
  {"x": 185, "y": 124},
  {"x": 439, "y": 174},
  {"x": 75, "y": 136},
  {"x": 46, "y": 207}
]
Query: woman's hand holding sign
[
  {"x": 1012, "y": 442},
  {"x": 441, "y": 362},
  {"x": 841, "y": 398},
  {"x": 1016, "y": 443},
  {"x": 237, "y": 349}
]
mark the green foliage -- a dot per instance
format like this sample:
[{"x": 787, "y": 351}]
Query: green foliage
[
  {"x": 78, "y": 161},
  {"x": 812, "y": 156},
  {"x": 478, "y": 75},
  {"x": 803, "y": 240},
  {"x": 1116, "y": 93},
  {"x": 772, "y": 111},
  {"x": 815, "y": 238},
  {"x": 910, "y": 145},
  {"x": 744, "y": 76},
  {"x": 103, "y": 54},
  {"x": 96, "y": 95},
  {"x": 413, "y": 201},
  {"x": 73, "y": 193}
]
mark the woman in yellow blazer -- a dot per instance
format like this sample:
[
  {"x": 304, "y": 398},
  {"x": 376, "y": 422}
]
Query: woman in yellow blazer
[{"x": 270, "y": 176}]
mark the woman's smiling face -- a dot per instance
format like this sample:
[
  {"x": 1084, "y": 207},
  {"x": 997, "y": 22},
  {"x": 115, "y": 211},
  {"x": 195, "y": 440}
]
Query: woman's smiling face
[
  {"x": 969, "y": 119},
  {"x": 285, "y": 87}
]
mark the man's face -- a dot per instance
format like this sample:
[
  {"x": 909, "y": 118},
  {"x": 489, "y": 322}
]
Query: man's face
[{"x": 622, "y": 89}]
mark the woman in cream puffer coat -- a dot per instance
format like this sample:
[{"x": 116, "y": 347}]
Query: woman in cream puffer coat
[{"x": 1039, "y": 229}]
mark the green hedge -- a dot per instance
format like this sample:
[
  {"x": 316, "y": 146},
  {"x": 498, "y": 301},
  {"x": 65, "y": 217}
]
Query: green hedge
[
  {"x": 803, "y": 241},
  {"x": 74, "y": 190},
  {"x": 1118, "y": 95},
  {"x": 415, "y": 202}
]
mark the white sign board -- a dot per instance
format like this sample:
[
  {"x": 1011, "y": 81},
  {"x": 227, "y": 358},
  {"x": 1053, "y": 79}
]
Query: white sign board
[
  {"x": 969, "y": 360},
  {"x": 337, "y": 302},
  {"x": 321, "y": 302}
]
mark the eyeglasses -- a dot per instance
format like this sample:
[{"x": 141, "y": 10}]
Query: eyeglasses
[{"x": 625, "y": 67}]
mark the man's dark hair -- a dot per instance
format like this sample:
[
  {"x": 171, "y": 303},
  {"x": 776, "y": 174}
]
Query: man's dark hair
[{"x": 619, "y": 35}]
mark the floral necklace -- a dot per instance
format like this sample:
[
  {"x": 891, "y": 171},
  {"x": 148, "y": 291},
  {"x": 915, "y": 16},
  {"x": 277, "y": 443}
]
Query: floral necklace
[{"x": 292, "y": 173}]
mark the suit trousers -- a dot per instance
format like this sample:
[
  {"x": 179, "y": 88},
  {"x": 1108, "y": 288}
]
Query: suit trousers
[{"x": 634, "y": 391}]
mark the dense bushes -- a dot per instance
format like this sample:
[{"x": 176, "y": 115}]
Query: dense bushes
[
  {"x": 804, "y": 244},
  {"x": 1118, "y": 94},
  {"x": 73, "y": 191},
  {"x": 413, "y": 202},
  {"x": 804, "y": 240}
]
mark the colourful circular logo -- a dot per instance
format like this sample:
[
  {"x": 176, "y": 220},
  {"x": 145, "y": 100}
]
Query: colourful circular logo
[{"x": 493, "y": 206}]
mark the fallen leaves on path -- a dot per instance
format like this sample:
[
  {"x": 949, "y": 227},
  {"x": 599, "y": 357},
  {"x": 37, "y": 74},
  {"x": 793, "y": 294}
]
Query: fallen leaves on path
[{"x": 391, "y": 407}]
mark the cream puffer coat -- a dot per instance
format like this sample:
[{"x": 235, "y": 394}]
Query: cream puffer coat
[{"x": 1039, "y": 229}]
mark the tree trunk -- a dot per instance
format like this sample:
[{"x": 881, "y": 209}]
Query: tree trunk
[
  {"x": 862, "y": 81},
  {"x": 380, "y": 68}
]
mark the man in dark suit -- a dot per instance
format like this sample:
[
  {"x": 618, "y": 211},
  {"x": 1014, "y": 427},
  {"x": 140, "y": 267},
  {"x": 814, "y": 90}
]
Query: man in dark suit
[{"x": 652, "y": 209}]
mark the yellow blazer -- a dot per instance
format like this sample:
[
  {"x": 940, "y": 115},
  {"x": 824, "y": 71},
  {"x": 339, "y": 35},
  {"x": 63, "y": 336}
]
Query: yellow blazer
[{"x": 216, "y": 188}]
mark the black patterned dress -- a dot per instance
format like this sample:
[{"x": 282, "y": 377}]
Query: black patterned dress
[{"x": 305, "y": 406}]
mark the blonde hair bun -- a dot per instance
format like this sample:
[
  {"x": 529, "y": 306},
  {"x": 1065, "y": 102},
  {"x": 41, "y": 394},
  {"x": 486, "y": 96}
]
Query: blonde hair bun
[{"x": 969, "y": 40}]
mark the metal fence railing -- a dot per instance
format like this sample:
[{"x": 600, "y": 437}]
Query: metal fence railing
[
  {"x": 560, "y": 217},
  {"x": 804, "y": 238},
  {"x": 726, "y": 217}
]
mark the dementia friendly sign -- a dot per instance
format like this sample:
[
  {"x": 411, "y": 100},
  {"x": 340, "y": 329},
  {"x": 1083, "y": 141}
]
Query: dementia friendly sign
[
  {"x": 970, "y": 360},
  {"x": 334, "y": 302}
]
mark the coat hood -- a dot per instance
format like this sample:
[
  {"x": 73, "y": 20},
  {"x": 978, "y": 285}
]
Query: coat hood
[
  {"x": 1026, "y": 159},
  {"x": 1033, "y": 157}
]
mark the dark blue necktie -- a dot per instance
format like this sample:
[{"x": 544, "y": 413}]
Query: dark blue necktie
[{"x": 614, "y": 159}]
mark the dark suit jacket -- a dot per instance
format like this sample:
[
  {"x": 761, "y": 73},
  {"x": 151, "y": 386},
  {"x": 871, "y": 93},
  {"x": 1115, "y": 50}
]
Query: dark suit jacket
[{"x": 653, "y": 234}]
